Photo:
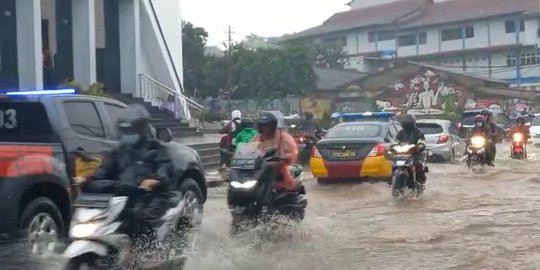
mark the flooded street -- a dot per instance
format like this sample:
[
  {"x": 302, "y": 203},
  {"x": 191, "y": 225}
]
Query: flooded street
[{"x": 463, "y": 221}]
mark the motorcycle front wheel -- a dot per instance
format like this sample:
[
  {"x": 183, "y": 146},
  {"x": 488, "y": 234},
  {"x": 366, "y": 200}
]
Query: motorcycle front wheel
[{"x": 399, "y": 182}]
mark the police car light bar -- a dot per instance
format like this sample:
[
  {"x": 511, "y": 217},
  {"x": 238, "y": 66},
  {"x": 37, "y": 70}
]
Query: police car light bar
[
  {"x": 372, "y": 115},
  {"x": 41, "y": 92}
]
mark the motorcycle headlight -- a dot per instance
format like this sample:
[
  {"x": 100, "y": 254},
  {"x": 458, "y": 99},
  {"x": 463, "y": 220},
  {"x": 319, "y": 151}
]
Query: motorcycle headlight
[
  {"x": 83, "y": 215},
  {"x": 518, "y": 137},
  {"x": 245, "y": 185},
  {"x": 478, "y": 141},
  {"x": 84, "y": 230}
]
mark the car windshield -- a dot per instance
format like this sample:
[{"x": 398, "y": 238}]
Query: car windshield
[
  {"x": 355, "y": 131},
  {"x": 430, "y": 128},
  {"x": 468, "y": 118},
  {"x": 536, "y": 121}
]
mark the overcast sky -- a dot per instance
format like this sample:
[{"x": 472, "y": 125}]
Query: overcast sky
[{"x": 261, "y": 17}]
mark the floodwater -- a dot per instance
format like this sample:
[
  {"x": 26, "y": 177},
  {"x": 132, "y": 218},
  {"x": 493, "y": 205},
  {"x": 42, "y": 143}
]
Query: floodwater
[{"x": 463, "y": 221}]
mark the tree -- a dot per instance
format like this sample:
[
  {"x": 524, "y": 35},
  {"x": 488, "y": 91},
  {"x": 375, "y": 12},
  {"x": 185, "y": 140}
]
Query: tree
[
  {"x": 193, "y": 45},
  {"x": 329, "y": 56},
  {"x": 271, "y": 72}
]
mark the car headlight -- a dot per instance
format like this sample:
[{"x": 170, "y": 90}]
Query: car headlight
[
  {"x": 84, "y": 230},
  {"x": 518, "y": 137},
  {"x": 245, "y": 185},
  {"x": 478, "y": 141}
]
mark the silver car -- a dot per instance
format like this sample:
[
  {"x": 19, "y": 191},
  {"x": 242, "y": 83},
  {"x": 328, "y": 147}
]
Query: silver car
[{"x": 442, "y": 139}]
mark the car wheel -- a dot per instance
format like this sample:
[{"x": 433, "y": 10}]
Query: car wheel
[
  {"x": 193, "y": 207},
  {"x": 42, "y": 223}
]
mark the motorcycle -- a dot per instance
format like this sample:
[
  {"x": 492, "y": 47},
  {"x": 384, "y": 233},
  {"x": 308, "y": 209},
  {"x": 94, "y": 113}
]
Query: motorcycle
[
  {"x": 518, "y": 147},
  {"x": 249, "y": 171},
  {"x": 99, "y": 237},
  {"x": 404, "y": 172},
  {"x": 476, "y": 153}
]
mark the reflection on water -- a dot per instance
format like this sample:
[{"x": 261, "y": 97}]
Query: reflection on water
[{"x": 463, "y": 221}]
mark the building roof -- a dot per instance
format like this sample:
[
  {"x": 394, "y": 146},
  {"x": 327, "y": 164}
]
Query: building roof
[
  {"x": 417, "y": 13},
  {"x": 333, "y": 79}
]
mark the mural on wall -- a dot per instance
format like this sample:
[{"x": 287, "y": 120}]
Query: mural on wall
[
  {"x": 318, "y": 106},
  {"x": 426, "y": 91},
  {"x": 430, "y": 93}
]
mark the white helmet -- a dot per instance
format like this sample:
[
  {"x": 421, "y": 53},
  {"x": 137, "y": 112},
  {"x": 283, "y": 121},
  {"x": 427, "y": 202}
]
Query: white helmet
[{"x": 236, "y": 114}]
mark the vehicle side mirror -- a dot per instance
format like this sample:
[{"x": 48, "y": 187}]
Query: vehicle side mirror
[{"x": 164, "y": 135}]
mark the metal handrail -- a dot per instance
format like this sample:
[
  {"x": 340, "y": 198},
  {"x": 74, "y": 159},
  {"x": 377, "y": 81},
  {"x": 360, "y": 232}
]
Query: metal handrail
[
  {"x": 172, "y": 92},
  {"x": 153, "y": 90}
]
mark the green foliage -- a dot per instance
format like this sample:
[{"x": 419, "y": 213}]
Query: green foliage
[
  {"x": 329, "y": 56},
  {"x": 256, "y": 71},
  {"x": 193, "y": 44},
  {"x": 96, "y": 89}
]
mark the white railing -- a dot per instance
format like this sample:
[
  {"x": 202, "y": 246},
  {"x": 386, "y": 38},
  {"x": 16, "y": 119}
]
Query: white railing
[{"x": 165, "y": 97}]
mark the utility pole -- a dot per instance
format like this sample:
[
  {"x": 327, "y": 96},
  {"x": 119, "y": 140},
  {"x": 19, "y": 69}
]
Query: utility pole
[{"x": 229, "y": 72}]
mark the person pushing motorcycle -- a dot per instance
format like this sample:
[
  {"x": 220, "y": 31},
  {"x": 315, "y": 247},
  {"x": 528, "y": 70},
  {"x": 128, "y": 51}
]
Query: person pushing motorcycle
[
  {"x": 270, "y": 136},
  {"x": 411, "y": 134},
  {"x": 130, "y": 165}
]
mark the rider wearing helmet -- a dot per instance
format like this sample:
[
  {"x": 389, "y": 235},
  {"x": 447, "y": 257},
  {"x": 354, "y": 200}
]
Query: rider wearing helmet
[
  {"x": 521, "y": 128},
  {"x": 270, "y": 136},
  {"x": 411, "y": 134},
  {"x": 246, "y": 132},
  {"x": 138, "y": 161},
  {"x": 308, "y": 125},
  {"x": 492, "y": 149},
  {"x": 481, "y": 128},
  {"x": 230, "y": 130}
]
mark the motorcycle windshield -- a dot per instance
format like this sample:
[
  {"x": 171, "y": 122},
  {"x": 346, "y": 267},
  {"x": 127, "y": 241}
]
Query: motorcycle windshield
[{"x": 245, "y": 155}]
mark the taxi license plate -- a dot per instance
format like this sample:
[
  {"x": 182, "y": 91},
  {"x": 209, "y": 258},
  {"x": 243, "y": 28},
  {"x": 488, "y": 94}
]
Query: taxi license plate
[{"x": 344, "y": 154}]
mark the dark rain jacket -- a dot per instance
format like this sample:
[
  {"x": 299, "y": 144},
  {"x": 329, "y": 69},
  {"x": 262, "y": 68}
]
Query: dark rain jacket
[
  {"x": 131, "y": 165},
  {"x": 414, "y": 136}
]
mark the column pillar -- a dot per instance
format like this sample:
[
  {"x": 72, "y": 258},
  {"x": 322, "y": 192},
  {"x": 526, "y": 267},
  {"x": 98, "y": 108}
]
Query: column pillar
[
  {"x": 84, "y": 42},
  {"x": 29, "y": 43},
  {"x": 129, "y": 27}
]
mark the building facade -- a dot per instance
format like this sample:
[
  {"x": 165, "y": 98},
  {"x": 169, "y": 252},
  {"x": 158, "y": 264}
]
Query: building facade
[
  {"x": 497, "y": 39},
  {"x": 132, "y": 46}
]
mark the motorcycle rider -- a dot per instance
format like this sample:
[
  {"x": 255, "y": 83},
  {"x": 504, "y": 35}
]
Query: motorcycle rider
[
  {"x": 230, "y": 130},
  {"x": 483, "y": 129},
  {"x": 309, "y": 126},
  {"x": 492, "y": 147},
  {"x": 270, "y": 136},
  {"x": 132, "y": 164},
  {"x": 245, "y": 134},
  {"x": 411, "y": 134},
  {"x": 521, "y": 128}
]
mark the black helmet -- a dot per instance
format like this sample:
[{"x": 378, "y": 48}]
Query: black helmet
[
  {"x": 267, "y": 119},
  {"x": 308, "y": 115},
  {"x": 486, "y": 113},
  {"x": 520, "y": 119},
  {"x": 408, "y": 121},
  {"x": 133, "y": 119},
  {"x": 247, "y": 123}
]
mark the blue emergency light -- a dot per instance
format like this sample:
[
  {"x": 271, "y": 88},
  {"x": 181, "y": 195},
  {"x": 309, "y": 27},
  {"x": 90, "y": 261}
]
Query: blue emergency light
[
  {"x": 351, "y": 117},
  {"x": 41, "y": 92}
]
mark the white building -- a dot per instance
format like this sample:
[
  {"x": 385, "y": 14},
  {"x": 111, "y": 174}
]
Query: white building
[
  {"x": 133, "y": 46},
  {"x": 492, "y": 38}
]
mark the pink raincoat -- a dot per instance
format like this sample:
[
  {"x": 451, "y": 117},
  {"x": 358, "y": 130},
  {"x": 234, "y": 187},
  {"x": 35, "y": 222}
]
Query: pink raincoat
[{"x": 287, "y": 149}]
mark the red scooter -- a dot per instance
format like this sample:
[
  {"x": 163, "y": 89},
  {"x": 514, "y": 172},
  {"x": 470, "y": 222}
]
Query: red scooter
[{"x": 518, "y": 147}]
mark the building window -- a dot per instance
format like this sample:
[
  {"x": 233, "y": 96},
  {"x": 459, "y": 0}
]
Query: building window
[
  {"x": 336, "y": 42},
  {"x": 372, "y": 37},
  {"x": 407, "y": 40},
  {"x": 469, "y": 31},
  {"x": 510, "y": 60},
  {"x": 510, "y": 26},
  {"x": 451, "y": 34},
  {"x": 386, "y": 35},
  {"x": 422, "y": 38}
]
